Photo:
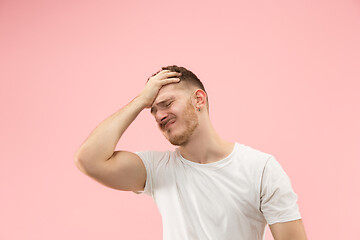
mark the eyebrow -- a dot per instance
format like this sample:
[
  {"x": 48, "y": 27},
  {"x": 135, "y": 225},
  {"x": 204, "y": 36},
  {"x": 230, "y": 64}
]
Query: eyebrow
[{"x": 160, "y": 103}]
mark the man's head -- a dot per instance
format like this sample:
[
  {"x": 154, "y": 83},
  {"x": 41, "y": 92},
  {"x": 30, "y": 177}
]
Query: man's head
[
  {"x": 188, "y": 80},
  {"x": 180, "y": 107}
]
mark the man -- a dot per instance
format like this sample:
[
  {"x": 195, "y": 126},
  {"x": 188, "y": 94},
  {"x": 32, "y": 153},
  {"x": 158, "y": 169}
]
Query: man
[{"x": 208, "y": 188}]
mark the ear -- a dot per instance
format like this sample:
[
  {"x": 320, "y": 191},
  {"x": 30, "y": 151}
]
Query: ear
[{"x": 200, "y": 99}]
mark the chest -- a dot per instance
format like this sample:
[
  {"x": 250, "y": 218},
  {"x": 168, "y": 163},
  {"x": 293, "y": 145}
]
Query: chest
[{"x": 225, "y": 193}]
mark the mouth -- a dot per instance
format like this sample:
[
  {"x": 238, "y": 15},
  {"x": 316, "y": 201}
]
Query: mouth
[{"x": 166, "y": 126}]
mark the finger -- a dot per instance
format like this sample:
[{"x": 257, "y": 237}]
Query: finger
[
  {"x": 170, "y": 80},
  {"x": 163, "y": 71},
  {"x": 172, "y": 74}
]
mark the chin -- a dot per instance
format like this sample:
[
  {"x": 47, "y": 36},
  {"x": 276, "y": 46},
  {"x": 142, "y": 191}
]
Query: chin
[
  {"x": 178, "y": 143},
  {"x": 179, "y": 139}
]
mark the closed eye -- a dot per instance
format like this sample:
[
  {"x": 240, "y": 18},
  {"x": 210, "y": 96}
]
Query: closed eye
[{"x": 163, "y": 104}]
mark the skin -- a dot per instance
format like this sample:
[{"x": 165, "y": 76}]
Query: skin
[{"x": 293, "y": 230}]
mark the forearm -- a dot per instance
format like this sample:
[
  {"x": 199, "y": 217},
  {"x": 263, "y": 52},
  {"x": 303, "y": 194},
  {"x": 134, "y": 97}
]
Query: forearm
[{"x": 102, "y": 141}]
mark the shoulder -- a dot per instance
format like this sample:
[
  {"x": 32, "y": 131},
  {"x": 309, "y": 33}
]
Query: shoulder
[
  {"x": 154, "y": 156},
  {"x": 253, "y": 156}
]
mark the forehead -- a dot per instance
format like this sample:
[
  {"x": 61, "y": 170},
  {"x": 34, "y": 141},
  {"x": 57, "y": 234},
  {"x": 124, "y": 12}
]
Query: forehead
[
  {"x": 170, "y": 89},
  {"x": 167, "y": 92}
]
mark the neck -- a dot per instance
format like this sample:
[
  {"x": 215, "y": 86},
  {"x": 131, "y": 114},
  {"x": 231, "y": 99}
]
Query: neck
[{"x": 205, "y": 145}]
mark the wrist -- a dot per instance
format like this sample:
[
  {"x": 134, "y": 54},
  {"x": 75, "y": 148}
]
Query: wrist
[{"x": 140, "y": 102}]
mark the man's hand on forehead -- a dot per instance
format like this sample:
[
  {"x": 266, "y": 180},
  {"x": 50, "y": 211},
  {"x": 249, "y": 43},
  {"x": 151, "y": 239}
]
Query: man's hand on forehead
[{"x": 153, "y": 85}]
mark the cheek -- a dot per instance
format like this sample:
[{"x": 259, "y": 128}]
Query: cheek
[{"x": 176, "y": 111}]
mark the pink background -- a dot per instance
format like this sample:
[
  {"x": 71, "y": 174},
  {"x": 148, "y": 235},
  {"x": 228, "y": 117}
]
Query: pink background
[{"x": 282, "y": 77}]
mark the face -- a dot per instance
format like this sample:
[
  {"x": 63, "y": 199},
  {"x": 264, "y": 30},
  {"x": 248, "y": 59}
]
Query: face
[{"x": 175, "y": 115}]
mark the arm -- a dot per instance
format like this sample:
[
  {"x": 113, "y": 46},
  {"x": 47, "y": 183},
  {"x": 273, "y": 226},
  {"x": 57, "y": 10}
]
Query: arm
[
  {"x": 293, "y": 230},
  {"x": 97, "y": 157}
]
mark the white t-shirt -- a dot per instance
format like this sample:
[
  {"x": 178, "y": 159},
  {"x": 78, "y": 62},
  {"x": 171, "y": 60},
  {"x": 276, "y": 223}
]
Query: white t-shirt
[{"x": 233, "y": 198}]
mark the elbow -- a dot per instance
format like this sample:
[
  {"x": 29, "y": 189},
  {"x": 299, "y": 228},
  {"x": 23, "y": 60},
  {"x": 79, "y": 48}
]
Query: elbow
[
  {"x": 76, "y": 159},
  {"x": 79, "y": 163}
]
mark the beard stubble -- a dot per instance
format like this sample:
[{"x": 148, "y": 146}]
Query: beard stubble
[{"x": 191, "y": 122}]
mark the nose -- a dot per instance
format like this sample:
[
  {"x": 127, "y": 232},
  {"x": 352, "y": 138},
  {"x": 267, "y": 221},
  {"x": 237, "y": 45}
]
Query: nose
[{"x": 161, "y": 116}]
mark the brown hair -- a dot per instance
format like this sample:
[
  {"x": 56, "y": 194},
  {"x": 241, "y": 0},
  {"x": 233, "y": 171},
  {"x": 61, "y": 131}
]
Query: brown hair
[{"x": 187, "y": 77}]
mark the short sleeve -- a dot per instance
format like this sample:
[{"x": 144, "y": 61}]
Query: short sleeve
[
  {"x": 147, "y": 158},
  {"x": 278, "y": 201}
]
